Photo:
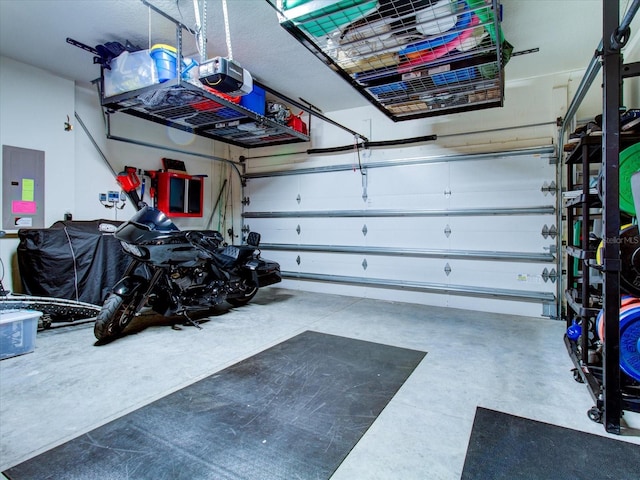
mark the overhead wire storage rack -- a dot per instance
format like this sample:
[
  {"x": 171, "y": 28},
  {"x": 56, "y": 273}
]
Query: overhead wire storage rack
[
  {"x": 187, "y": 106},
  {"x": 410, "y": 58}
]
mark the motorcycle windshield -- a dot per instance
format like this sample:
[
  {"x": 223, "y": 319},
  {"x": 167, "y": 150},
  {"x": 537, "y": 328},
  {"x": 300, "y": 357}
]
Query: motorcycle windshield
[{"x": 153, "y": 219}]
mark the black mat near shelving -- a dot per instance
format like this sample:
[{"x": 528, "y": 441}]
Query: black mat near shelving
[
  {"x": 292, "y": 411},
  {"x": 504, "y": 446}
]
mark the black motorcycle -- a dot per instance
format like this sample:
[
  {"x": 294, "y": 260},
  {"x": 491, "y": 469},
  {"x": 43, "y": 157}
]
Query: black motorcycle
[{"x": 174, "y": 272}]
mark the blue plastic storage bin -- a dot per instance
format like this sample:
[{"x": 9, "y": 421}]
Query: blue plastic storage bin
[
  {"x": 456, "y": 76},
  {"x": 255, "y": 101},
  {"x": 18, "y": 332},
  {"x": 165, "y": 57}
]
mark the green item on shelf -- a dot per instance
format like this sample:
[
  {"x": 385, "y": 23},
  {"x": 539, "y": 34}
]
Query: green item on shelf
[
  {"x": 327, "y": 18},
  {"x": 577, "y": 231},
  {"x": 486, "y": 15},
  {"x": 490, "y": 70},
  {"x": 629, "y": 164},
  {"x": 484, "y": 11}
]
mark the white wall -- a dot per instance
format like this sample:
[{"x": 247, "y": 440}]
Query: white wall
[{"x": 35, "y": 105}]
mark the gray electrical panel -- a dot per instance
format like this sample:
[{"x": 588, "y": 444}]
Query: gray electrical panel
[{"x": 22, "y": 188}]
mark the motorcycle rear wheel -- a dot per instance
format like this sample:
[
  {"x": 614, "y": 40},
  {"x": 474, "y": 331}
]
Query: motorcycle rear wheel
[
  {"x": 115, "y": 315},
  {"x": 246, "y": 297}
]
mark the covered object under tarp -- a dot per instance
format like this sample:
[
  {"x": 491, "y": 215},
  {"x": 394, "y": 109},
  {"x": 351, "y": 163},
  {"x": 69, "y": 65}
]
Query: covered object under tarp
[{"x": 75, "y": 260}]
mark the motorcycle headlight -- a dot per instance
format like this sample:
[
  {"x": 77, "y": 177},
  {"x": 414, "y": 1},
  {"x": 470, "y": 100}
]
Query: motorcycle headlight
[{"x": 133, "y": 249}]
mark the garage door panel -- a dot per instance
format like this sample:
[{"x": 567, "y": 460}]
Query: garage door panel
[
  {"x": 502, "y": 275},
  {"x": 331, "y": 191},
  {"x": 499, "y": 305},
  {"x": 407, "y": 232},
  {"x": 332, "y": 264},
  {"x": 507, "y": 233},
  {"x": 411, "y": 269},
  {"x": 286, "y": 259},
  {"x": 501, "y": 174},
  {"x": 436, "y": 201},
  {"x": 282, "y": 231},
  {"x": 272, "y": 194},
  {"x": 408, "y": 180},
  {"x": 409, "y": 296},
  {"x": 331, "y": 231},
  {"x": 500, "y": 199}
]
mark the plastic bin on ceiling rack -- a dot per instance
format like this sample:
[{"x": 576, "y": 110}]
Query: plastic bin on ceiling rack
[{"x": 410, "y": 58}]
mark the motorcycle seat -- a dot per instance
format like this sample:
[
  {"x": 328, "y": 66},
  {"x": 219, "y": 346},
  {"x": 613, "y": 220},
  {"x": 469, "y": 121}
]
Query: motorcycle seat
[
  {"x": 231, "y": 254},
  {"x": 228, "y": 256}
]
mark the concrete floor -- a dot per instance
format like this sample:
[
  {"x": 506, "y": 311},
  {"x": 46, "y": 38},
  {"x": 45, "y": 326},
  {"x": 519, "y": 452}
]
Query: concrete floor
[{"x": 518, "y": 365}]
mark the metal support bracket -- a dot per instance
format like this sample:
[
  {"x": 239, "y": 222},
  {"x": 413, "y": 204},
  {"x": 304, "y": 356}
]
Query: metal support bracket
[{"x": 365, "y": 177}]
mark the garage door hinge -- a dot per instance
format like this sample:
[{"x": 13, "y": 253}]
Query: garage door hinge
[
  {"x": 298, "y": 260},
  {"x": 549, "y": 188},
  {"x": 551, "y": 231},
  {"x": 549, "y": 275},
  {"x": 364, "y": 230},
  {"x": 447, "y": 269},
  {"x": 298, "y": 229},
  {"x": 246, "y": 201},
  {"x": 364, "y": 264},
  {"x": 447, "y": 231},
  {"x": 246, "y": 229},
  {"x": 298, "y": 199}
]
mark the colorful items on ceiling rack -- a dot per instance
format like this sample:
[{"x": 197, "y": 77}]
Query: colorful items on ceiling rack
[{"x": 410, "y": 58}]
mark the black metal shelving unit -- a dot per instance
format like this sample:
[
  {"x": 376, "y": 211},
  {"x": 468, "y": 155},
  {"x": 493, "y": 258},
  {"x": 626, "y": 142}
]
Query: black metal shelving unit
[
  {"x": 585, "y": 292},
  {"x": 410, "y": 59},
  {"x": 597, "y": 362}
]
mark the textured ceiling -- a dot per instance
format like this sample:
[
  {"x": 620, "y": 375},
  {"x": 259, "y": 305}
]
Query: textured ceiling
[{"x": 35, "y": 31}]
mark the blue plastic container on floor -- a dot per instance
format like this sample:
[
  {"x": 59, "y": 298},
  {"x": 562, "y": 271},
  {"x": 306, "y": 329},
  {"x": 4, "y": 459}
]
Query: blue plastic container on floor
[{"x": 18, "y": 332}]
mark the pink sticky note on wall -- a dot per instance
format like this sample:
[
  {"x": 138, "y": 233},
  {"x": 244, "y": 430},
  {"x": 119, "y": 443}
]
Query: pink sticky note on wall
[{"x": 24, "y": 207}]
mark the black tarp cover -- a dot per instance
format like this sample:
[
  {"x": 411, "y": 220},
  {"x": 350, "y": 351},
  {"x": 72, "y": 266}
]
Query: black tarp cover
[{"x": 75, "y": 260}]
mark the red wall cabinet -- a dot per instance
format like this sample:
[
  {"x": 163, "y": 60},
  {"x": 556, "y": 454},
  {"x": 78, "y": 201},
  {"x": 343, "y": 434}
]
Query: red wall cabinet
[{"x": 180, "y": 195}]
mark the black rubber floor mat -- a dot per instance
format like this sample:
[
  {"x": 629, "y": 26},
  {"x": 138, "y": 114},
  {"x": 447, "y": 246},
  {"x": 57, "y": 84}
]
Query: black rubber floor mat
[
  {"x": 293, "y": 411},
  {"x": 504, "y": 446}
]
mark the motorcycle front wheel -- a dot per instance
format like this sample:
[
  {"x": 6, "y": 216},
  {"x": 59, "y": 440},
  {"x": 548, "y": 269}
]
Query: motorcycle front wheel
[
  {"x": 244, "y": 298},
  {"x": 115, "y": 315}
]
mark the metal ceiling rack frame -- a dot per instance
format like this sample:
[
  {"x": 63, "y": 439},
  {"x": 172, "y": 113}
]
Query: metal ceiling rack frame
[{"x": 412, "y": 60}]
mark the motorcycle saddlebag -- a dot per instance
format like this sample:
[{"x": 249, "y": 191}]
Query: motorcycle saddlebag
[{"x": 264, "y": 272}]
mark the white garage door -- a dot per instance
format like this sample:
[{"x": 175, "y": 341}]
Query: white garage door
[{"x": 474, "y": 231}]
